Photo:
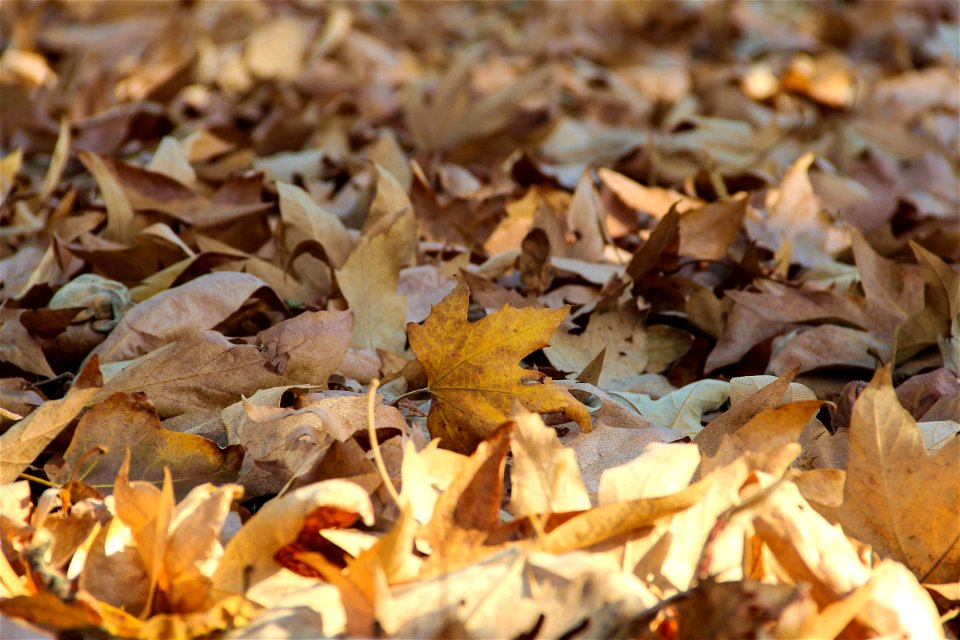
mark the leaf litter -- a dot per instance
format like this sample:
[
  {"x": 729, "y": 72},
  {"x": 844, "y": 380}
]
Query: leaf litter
[{"x": 459, "y": 319}]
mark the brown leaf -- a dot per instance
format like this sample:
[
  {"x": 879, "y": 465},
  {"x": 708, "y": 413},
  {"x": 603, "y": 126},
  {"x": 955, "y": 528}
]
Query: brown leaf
[
  {"x": 192, "y": 460},
  {"x": 706, "y": 232},
  {"x": 369, "y": 281},
  {"x": 766, "y": 397},
  {"x": 816, "y": 553},
  {"x": 776, "y": 427},
  {"x": 309, "y": 347},
  {"x": 24, "y": 441},
  {"x": 120, "y": 221},
  {"x": 202, "y": 303},
  {"x": 890, "y": 476},
  {"x": 663, "y": 241},
  {"x": 545, "y": 477},
  {"x": 632, "y": 348},
  {"x": 202, "y": 370},
  {"x": 20, "y": 349},
  {"x": 607, "y": 521}
]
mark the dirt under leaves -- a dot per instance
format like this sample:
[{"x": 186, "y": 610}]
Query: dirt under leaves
[{"x": 517, "y": 319}]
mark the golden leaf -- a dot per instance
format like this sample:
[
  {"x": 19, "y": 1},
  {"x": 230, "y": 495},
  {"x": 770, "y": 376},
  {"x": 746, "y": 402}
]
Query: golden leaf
[{"x": 472, "y": 371}]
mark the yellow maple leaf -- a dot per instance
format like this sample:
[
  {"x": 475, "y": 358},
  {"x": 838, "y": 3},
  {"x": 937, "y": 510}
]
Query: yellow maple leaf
[{"x": 473, "y": 371}]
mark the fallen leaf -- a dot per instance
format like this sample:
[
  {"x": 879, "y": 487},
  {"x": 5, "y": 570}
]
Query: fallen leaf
[
  {"x": 682, "y": 409},
  {"x": 202, "y": 370},
  {"x": 120, "y": 221},
  {"x": 815, "y": 552},
  {"x": 309, "y": 346},
  {"x": 706, "y": 232},
  {"x": 202, "y": 303},
  {"x": 304, "y": 219},
  {"x": 606, "y": 521},
  {"x": 766, "y": 397},
  {"x": 632, "y": 349},
  {"x": 472, "y": 373},
  {"x": 369, "y": 280},
  {"x": 146, "y": 511},
  {"x": 889, "y": 475},
  {"x": 191, "y": 459},
  {"x": 249, "y": 557},
  {"x": 19, "y": 348},
  {"x": 545, "y": 477},
  {"x": 778, "y": 426},
  {"x": 25, "y": 440},
  {"x": 794, "y": 212},
  {"x": 659, "y": 470}
]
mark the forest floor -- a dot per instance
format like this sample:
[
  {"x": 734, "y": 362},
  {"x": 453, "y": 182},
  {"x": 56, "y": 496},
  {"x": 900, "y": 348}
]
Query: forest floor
[{"x": 493, "y": 320}]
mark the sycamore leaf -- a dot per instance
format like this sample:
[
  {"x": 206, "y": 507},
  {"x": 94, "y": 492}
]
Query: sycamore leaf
[
  {"x": 897, "y": 497},
  {"x": 120, "y": 219},
  {"x": 767, "y": 396},
  {"x": 310, "y": 346},
  {"x": 609, "y": 520},
  {"x": 147, "y": 511},
  {"x": 193, "y": 544},
  {"x": 795, "y": 213},
  {"x": 631, "y": 348},
  {"x": 814, "y": 552},
  {"x": 472, "y": 369}
]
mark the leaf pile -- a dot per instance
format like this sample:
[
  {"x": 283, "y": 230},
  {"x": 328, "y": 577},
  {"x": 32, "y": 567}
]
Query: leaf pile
[{"x": 475, "y": 319}]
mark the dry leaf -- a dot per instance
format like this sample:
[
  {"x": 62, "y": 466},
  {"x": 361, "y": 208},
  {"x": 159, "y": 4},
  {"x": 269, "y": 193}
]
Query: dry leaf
[
  {"x": 127, "y": 424},
  {"x": 472, "y": 371},
  {"x": 545, "y": 477},
  {"x": 166, "y": 317},
  {"x": 890, "y": 476},
  {"x": 369, "y": 280},
  {"x": 201, "y": 371},
  {"x": 27, "y": 439},
  {"x": 249, "y": 556},
  {"x": 310, "y": 346}
]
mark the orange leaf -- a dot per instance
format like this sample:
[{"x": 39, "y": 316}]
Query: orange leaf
[{"x": 472, "y": 369}]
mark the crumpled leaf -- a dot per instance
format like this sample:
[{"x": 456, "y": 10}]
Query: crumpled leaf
[
  {"x": 249, "y": 556},
  {"x": 897, "y": 497},
  {"x": 472, "y": 371}
]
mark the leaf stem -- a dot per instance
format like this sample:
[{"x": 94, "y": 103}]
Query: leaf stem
[
  {"x": 375, "y": 446},
  {"x": 38, "y": 480}
]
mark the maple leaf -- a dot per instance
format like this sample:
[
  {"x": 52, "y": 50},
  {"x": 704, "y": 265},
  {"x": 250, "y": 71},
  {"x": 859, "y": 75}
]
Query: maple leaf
[{"x": 472, "y": 369}]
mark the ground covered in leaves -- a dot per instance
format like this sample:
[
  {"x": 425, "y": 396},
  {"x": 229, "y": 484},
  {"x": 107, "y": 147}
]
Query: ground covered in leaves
[{"x": 628, "y": 319}]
